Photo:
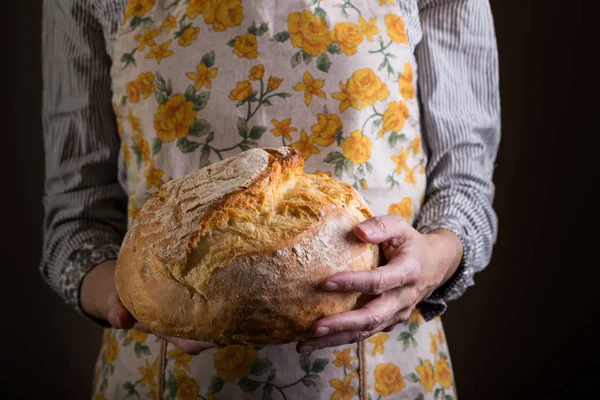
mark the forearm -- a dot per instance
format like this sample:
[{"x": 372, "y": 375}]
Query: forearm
[
  {"x": 458, "y": 89},
  {"x": 85, "y": 206}
]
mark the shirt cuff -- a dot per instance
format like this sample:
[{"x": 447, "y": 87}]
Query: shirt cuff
[
  {"x": 79, "y": 263},
  {"x": 436, "y": 304}
]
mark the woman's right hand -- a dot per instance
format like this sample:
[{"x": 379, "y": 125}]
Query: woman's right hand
[{"x": 99, "y": 299}]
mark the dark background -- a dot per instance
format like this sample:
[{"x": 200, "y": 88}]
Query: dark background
[{"x": 524, "y": 331}]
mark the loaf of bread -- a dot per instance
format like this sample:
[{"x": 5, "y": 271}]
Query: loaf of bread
[{"x": 237, "y": 252}]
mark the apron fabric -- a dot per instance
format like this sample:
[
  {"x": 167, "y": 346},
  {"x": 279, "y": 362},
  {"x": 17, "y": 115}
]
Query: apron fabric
[{"x": 198, "y": 81}]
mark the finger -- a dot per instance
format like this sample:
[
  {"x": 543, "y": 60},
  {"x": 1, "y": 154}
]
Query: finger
[
  {"x": 118, "y": 316},
  {"x": 188, "y": 346},
  {"x": 141, "y": 328},
  {"x": 374, "y": 316},
  {"x": 379, "y": 229},
  {"x": 337, "y": 339},
  {"x": 400, "y": 271}
]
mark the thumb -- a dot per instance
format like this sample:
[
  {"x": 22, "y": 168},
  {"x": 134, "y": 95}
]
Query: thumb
[
  {"x": 377, "y": 230},
  {"x": 118, "y": 316}
]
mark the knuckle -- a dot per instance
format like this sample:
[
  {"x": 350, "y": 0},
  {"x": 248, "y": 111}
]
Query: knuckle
[
  {"x": 380, "y": 224},
  {"x": 379, "y": 283},
  {"x": 375, "y": 321}
]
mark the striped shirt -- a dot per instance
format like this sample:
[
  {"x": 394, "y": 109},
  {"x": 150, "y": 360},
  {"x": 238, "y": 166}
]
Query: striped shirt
[{"x": 85, "y": 186}]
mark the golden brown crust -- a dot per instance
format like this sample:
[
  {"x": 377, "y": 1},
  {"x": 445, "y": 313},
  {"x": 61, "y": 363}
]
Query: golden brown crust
[{"x": 236, "y": 252}]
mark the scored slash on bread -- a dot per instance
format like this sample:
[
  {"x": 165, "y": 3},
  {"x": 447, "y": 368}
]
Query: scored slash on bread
[{"x": 236, "y": 252}]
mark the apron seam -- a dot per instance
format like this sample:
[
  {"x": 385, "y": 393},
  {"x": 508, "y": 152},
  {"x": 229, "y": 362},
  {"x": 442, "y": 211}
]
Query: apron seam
[
  {"x": 362, "y": 373},
  {"x": 162, "y": 369}
]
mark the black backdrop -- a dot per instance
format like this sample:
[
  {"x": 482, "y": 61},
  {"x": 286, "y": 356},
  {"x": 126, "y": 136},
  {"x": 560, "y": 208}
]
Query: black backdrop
[{"x": 524, "y": 331}]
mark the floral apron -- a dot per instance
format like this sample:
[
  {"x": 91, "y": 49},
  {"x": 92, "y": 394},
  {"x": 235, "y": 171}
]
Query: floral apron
[{"x": 198, "y": 81}]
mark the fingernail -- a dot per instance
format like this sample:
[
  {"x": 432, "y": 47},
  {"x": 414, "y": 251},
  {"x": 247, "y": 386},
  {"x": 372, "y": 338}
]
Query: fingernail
[
  {"x": 306, "y": 349},
  {"x": 322, "y": 331},
  {"x": 366, "y": 228},
  {"x": 331, "y": 286}
]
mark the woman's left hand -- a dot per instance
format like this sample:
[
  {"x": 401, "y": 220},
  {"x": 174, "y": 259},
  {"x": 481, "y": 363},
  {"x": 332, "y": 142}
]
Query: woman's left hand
[{"x": 417, "y": 265}]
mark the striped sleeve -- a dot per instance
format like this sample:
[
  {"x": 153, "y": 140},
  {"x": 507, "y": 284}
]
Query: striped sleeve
[
  {"x": 459, "y": 95},
  {"x": 85, "y": 207}
]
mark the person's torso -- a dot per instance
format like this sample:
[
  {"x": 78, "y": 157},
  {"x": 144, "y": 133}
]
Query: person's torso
[{"x": 198, "y": 81}]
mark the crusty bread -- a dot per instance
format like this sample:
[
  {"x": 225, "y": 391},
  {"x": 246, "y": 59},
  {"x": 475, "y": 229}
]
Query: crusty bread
[{"x": 236, "y": 252}]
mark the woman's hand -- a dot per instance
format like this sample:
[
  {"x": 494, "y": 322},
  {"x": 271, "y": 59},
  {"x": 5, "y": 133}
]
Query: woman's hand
[
  {"x": 99, "y": 299},
  {"x": 417, "y": 265}
]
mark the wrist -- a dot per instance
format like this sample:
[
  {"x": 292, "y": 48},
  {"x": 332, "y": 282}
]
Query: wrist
[
  {"x": 96, "y": 286},
  {"x": 447, "y": 252}
]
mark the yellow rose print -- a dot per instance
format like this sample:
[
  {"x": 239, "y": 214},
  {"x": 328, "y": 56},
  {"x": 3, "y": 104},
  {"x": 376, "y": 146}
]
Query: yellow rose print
[
  {"x": 188, "y": 36},
  {"x": 153, "y": 176},
  {"x": 203, "y": 76},
  {"x": 363, "y": 184},
  {"x": 415, "y": 145},
  {"x": 187, "y": 388},
  {"x": 138, "y": 8},
  {"x": 422, "y": 171},
  {"x": 400, "y": 160},
  {"x": 384, "y": 2},
  {"x": 274, "y": 83},
  {"x": 170, "y": 22},
  {"x": 343, "y": 359},
  {"x": 147, "y": 38},
  {"x": 357, "y": 148},
  {"x": 407, "y": 83},
  {"x": 182, "y": 360},
  {"x": 233, "y": 362},
  {"x": 149, "y": 372},
  {"x": 410, "y": 175},
  {"x": 134, "y": 122},
  {"x": 111, "y": 351},
  {"x": 443, "y": 375},
  {"x": 309, "y": 33},
  {"x": 343, "y": 390},
  {"x": 388, "y": 379},
  {"x": 145, "y": 82},
  {"x": 378, "y": 340},
  {"x": 118, "y": 121},
  {"x": 246, "y": 46},
  {"x": 346, "y": 99},
  {"x": 99, "y": 396},
  {"x": 404, "y": 209},
  {"x": 133, "y": 210},
  {"x": 441, "y": 337},
  {"x": 242, "y": 91},
  {"x": 197, "y": 7},
  {"x": 142, "y": 86},
  {"x": 306, "y": 145},
  {"x": 369, "y": 29},
  {"x": 394, "y": 117},
  {"x": 133, "y": 92},
  {"x": 173, "y": 118},
  {"x": 257, "y": 73},
  {"x": 396, "y": 29},
  {"x": 283, "y": 128},
  {"x": 137, "y": 336},
  {"x": 363, "y": 89},
  {"x": 348, "y": 35},
  {"x": 434, "y": 347},
  {"x": 425, "y": 372},
  {"x": 223, "y": 14},
  {"x": 326, "y": 128},
  {"x": 310, "y": 87},
  {"x": 367, "y": 87},
  {"x": 160, "y": 51},
  {"x": 126, "y": 153},
  {"x": 416, "y": 316}
]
